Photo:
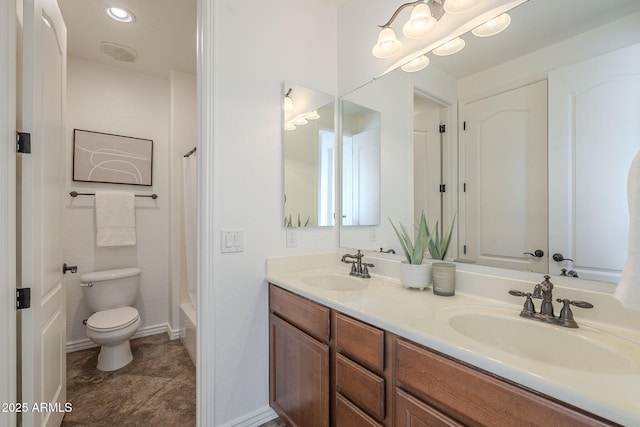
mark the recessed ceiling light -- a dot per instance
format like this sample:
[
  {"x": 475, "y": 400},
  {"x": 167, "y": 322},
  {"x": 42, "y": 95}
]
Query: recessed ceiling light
[{"x": 120, "y": 14}]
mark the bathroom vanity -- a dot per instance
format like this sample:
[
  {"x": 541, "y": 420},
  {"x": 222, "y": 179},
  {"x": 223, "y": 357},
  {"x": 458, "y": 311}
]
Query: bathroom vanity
[{"x": 367, "y": 352}]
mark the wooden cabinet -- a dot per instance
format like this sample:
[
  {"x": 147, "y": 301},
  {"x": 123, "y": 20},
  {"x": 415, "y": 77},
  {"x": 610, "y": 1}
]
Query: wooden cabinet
[
  {"x": 474, "y": 397},
  {"x": 299, "y": 363},
  {"x": 329, "y": 369}
]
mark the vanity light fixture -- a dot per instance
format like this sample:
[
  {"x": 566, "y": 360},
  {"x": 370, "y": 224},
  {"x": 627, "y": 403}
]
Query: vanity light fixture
[
  {"x": 120, "y": 14},
  {"x": 387, "y": 45},
  {"x": 450, "y": 47},
  {"x": 289, "y": 126},
  {"x": 299, "y": 120},
  {"x": 288, "y": 102},
  {"x": 493, "y": 26},
  {"x": 416, "y": 64},
  {"x": 420, "y": 22}
]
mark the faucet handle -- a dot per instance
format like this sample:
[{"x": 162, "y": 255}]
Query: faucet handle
[
  {"x": 566, "y": 315},
  {"x": 528, "y": 310},
  {"x": 365, "y": 269}
]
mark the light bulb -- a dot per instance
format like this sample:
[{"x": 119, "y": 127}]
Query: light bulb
[
  {"x": 288, "y": 103},
  {"x": 388, "y": 45},
  {"x": 459, "y": 6},
  {"x": 492, "y": 27},
  {"x": 312, "y": 115},
  {"x": 416, "y": 64},
  {"x": 420, "y": 22},
  {"x": 299, "y": 121},
  {"x": 119, "y": 14},
  {"x": 450, "y": 47}
]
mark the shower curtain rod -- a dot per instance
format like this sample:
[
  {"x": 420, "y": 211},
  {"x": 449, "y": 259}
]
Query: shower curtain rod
[
  {"x": 76, "y": 194},
  {"x": 190, "y": 152}
]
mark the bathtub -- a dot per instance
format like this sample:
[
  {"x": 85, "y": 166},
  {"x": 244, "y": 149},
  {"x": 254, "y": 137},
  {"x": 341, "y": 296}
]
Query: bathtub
[{"x": 188, "y": 326}]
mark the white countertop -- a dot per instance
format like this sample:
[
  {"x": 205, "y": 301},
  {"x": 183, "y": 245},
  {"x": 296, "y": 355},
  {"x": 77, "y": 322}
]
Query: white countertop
[{"x": 414, "y": 314}]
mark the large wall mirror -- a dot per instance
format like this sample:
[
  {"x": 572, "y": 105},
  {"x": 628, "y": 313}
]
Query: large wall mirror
[
  {"x": 309, "y": 157},
  {"x": 541, "y": 126}
]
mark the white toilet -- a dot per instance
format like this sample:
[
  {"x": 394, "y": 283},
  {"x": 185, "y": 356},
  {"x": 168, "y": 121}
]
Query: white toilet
[{"x": 109, "y": 295}]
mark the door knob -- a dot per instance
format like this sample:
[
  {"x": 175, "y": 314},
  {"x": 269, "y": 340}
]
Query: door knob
[
  {"x": 71, "y": 268},
  {"x": 538, "y": 253},
  {"x": 557, "y": 257}
]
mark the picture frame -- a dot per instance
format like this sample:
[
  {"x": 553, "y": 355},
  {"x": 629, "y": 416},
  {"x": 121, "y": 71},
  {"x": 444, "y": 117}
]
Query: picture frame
[{"x": 113, "y": 159}]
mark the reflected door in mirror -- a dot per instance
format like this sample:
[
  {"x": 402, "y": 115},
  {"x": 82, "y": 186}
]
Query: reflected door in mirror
[{"x": 503, "y": 167}]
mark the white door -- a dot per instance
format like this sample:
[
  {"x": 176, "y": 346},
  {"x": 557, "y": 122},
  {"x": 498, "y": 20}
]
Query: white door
[
  {"x": 427, "y": 165},
  {"x": 594, "y": 133},
  {"x": 366, "y": 177},
  {"x": 43, "y": 332},
  {"x": 503, "y": 211}
]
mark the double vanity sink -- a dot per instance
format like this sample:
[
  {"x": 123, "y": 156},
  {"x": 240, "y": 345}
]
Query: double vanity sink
[{"x": 595, "y": 367}]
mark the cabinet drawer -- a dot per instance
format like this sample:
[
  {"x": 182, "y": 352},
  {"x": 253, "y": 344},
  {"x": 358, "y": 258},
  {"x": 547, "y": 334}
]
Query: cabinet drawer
[
  {"x": 348, "y": 415},
  {"x": 360, "y": 386},
  {"x": 360, "y": 341},
  {"x": 476, "y": 398},
  {"x": 308, "y": 316},
  {"x": 411, "y": 412}
]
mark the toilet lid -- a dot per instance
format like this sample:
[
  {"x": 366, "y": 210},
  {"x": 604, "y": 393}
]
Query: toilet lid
[{"x": 116, "y": 318}]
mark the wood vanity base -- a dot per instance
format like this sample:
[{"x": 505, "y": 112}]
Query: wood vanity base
[{"x": 329, "y": 369}]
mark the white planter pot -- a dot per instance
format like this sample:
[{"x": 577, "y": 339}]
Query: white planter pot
[{"x": 416, "y": 276}]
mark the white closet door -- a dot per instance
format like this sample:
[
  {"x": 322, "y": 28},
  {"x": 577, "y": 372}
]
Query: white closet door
[
  {"x": 594, "y": 133},
  {"x": 503, "y": 211}
]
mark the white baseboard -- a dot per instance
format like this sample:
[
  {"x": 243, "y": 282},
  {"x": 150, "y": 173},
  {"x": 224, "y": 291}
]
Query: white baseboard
[
  {"x": 86, "y": 343},
  {"x": 253, "y": 419}
]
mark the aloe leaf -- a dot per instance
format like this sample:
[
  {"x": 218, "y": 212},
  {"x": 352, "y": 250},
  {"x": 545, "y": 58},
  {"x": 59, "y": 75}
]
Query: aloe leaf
[{"x": 402, "y": 243}]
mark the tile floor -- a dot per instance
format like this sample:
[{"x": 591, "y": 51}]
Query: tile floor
[{"x": 158, "y": 388}]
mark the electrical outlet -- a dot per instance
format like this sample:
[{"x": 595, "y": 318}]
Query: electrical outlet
[{"x": 292, "y": 238}]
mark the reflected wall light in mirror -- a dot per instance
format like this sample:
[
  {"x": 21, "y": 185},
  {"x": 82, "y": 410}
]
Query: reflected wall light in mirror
[
  {"x": 548, "y": 41},
  {"x": 309, "y": 157}
]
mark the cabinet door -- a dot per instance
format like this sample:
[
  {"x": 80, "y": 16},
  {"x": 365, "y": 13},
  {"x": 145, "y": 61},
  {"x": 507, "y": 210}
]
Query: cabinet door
[
  {"x": 411, "y": 412},
  {"x": 299, "y": 371}
]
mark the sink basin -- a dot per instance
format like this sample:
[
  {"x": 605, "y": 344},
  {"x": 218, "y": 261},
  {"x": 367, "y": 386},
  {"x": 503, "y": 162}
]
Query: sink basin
[
  {"x": 584, "y": 349},
  {"x": 337, "y": 282}
]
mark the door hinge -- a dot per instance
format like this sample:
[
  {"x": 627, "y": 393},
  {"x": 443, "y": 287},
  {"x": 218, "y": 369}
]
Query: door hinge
[
  {"x": 23, "y": 142},
  {"x": 464, "y": 187},
  {"x": 442, "y": 188},
  {"x": 442, "y": 128},
  {"x": 464, "y": 125},
  {"x": 23, "y": 298},
  {"x": 464, "y": 249}
]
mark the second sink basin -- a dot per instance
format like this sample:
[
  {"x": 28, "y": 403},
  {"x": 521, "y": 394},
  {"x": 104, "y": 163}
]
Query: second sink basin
[
  {"x": 336, "y": 282},
  {"x": 584, "y": 349}
]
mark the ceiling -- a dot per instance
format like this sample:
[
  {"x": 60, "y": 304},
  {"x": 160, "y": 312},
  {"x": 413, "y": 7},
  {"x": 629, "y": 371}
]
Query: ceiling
[
  {"x": 534, "y": 25},
  {"x": 163, "y": 33}
]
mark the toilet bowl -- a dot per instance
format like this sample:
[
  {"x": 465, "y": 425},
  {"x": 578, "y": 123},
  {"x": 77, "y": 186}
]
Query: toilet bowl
[
  {"x": 109, "y": 295},
  {"x": 112, "y": 330}
]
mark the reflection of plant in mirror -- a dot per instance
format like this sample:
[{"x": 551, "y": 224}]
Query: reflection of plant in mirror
[
  {"x": 288, "y": 222},
  {"x": 439, "y": 243},
  {"x": 414, "y": 252}
]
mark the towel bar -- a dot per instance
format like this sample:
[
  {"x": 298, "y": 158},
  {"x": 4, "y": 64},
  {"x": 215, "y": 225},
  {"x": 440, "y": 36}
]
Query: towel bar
[{"x": 76, "y": 194}]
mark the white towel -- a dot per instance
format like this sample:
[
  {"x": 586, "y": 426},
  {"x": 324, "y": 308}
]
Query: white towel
[
  {"x": 628, "y": 290},
  {"x": 115, "y": 218}
]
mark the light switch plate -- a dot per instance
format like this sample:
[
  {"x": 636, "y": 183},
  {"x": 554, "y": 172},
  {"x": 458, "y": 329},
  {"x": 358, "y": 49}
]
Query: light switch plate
[{"x": 231, "y": 241}]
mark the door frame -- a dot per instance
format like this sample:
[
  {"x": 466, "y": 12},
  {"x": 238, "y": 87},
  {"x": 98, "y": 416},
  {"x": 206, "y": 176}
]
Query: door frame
[
  {"x": 8, "y": 60},
  {"x": 206, "y": 242}
]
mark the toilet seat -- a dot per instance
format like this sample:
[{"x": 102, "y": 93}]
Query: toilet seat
[{"x": 114, "y": 319}]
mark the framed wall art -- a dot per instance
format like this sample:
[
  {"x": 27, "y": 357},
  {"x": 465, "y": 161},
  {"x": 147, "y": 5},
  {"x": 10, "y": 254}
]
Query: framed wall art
[{"x": 114, "y": 159}]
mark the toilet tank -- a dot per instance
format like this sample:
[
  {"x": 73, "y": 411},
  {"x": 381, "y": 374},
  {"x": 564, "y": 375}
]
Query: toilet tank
[{"x": 104, "y": 290}]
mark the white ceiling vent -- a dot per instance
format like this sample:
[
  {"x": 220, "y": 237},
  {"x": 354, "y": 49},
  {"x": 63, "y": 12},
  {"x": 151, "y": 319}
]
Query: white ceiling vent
[{"x": 118, "y": 52}]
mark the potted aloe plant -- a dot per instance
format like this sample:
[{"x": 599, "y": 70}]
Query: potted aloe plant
[{"x": 413, "y": 273}]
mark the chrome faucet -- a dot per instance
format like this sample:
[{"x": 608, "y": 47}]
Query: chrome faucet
[
  {"x": 358, "y": 268},
  {"x": 544, "y": 291}
]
